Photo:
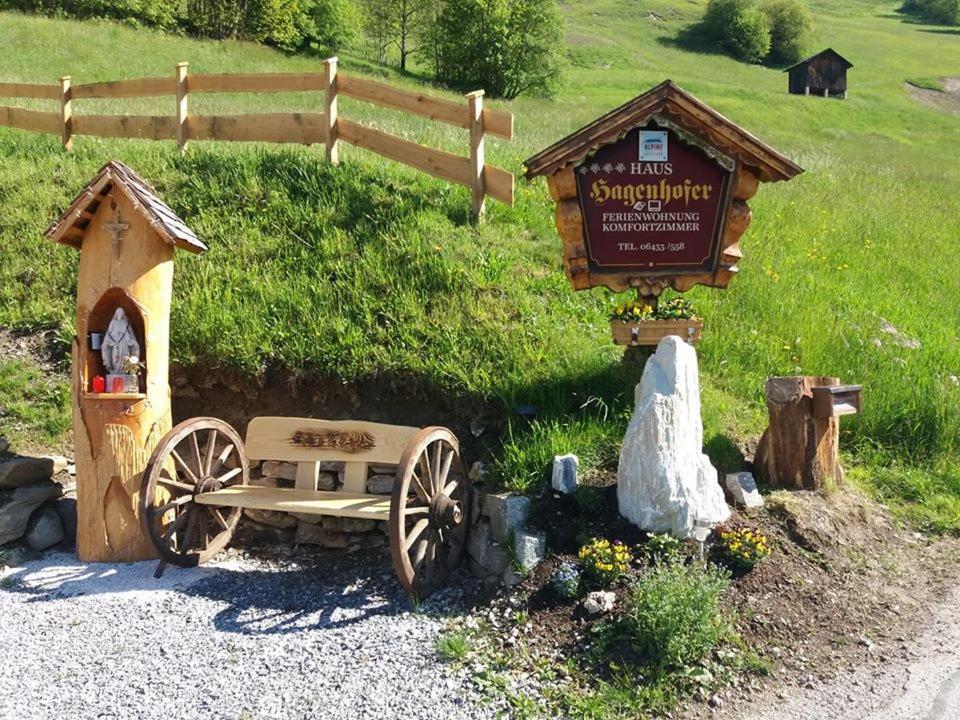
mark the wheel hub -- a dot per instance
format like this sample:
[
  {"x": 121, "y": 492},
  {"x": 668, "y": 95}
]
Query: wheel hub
[
  {"x": 445, "y": 512},
  {"x": 207, "y": 484}
]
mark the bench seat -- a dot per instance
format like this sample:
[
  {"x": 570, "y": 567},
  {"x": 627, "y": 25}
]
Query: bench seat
[{"x": 308, "y": 502}]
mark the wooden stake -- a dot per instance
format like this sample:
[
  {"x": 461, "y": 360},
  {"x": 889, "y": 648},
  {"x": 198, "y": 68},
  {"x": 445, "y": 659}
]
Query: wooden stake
[
  {"x": 478, "y": 191},
  {"x": 182, "y": 128},
  {"x": 66, "y": 114},
  {"x": 330, "y": 107}
]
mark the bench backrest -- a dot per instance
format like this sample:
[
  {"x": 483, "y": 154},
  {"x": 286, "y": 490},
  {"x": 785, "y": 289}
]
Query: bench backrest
[{"x": 308, "y": 442}]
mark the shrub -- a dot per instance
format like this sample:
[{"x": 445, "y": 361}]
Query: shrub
[
  {"x": 743, "y": 548},
  {"x": 331, "y": 24},
  {"x": 565, "y": 580},
  {"x": 604, "y": 562},
  {"x": 662, "y": 548},
  {"x": 674, "y": 616},
  {"x": 162, "y": 14},
  {"x": 739, "y": 26},
  {"x": 791, "y": 27},
  {"x": 506, "y": 47},
  {"x": 939, "y": 11}
]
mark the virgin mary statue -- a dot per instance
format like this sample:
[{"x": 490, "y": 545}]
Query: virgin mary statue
[{"x": 119, "y": 343}]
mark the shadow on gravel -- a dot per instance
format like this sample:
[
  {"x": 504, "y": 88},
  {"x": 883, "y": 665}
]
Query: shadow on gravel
[{"x": 278, "y": 597}]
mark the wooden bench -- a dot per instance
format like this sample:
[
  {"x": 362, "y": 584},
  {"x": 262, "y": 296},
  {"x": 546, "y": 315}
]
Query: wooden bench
[{"x": 192, "y": 502}]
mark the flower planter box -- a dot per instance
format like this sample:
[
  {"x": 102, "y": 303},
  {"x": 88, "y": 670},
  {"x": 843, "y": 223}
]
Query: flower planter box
[{"x": 651, "y": 332}]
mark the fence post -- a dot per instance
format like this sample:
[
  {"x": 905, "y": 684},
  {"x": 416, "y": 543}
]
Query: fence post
[
  {"x": 66, "y": 114},
  {"x": 183, "y": 131},
  {"x": 330, "y": 108},
  {"x": 478, "y": 191}
]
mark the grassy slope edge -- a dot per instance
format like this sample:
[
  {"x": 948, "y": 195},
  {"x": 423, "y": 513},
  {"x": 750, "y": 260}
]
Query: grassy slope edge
[{"x": 371, "y": 268}]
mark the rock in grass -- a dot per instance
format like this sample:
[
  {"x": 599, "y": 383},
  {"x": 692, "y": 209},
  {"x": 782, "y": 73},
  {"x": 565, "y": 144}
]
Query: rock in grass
[
  {"x": 744, "y": 489},
  {"x": 45, "y": 529},
  {"x": 17, "y": 505},
  {"x": 564, "y": 479},
  {"x": 665, "y": 481},
  {"x": 599, "y": 602},
  {"x": 507, "y": 513}
]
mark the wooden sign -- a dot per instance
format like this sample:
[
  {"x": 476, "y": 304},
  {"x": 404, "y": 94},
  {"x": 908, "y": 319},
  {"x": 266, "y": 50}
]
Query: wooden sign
[{"x": 654, "y": 194}]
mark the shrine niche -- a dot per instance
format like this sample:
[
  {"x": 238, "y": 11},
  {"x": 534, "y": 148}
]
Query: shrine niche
[
  {"x": 126, "y": 237},
  {"x": 654, "y": 194}
]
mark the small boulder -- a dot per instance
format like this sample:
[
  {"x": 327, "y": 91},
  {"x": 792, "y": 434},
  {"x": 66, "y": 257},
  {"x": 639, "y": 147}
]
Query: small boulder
[
  {"x": 508, "y": 514},
  {"x": 477, "y": 471},
  {"x": 327, "y": 480},
  {"x": 309, "y": 534},
  {"x": 348, "y": 525},
  {"x": 23, "y": 470},
  {"x": 530, "y": 549},
  {"x": 564, "y": 479},
  {"x": 273, "y": 518},
  {"x": 279, "y": 470},
  {"x": 66, "y": 508},
  {"x": 252, "y": 533},
  {"x": 17, "y": 505},
  {"x": 381, "y": 484},
  {"x": 743, "y": 488},
  {"x": 599, "y": 602},
  {"x": 44, "y": 529}
]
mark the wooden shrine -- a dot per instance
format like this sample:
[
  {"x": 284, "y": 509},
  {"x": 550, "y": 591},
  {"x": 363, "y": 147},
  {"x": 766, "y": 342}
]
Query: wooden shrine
[
  {"x": 126, "y": 237},
  {"x": 654, "y": 194}
]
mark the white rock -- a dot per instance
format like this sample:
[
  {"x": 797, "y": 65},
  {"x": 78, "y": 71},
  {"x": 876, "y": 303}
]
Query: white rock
[
  {"x": 665, "y": 481},
  {"x": 744, "y": 489},
  {"x": 564, "y": 478},
  {"x": 598, "y": 602},
  {"x": 477, "y": 471},
  {"x": 530, "y": 548}
]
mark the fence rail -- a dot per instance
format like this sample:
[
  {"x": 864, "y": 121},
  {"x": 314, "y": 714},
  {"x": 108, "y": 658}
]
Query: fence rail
[{"x": 307, "y": 128}]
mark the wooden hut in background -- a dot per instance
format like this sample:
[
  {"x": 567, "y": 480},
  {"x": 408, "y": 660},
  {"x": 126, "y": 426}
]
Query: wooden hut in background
[{"x": 822, "y": 74}]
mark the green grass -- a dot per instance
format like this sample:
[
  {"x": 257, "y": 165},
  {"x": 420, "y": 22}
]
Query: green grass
[
  {"x": 372, "y": 269},
  {"x": 34, "y": 407}
]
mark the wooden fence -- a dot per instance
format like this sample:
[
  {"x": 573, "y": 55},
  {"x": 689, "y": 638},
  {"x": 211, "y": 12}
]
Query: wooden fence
[{"x": 306, "y": 128}]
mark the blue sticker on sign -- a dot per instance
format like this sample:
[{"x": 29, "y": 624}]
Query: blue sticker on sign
[{"x": 653, "y": 146}]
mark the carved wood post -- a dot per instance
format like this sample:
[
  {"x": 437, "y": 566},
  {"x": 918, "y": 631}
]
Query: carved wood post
[
  {"x": 330, "y": 107},
  {"x": 183, "y": 131},
  {"x": 478, "y": 190},
  {"x": 798, "y": 451},
  {"x": 66, "y": 114}
]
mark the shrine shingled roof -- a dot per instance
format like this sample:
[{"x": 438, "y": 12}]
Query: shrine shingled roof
[
  {"x": 70, "y": 227},
  {"x": 672, "y": 103}
]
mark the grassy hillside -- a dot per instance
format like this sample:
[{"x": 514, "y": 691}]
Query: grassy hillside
[{"x": 372, "y": 269}]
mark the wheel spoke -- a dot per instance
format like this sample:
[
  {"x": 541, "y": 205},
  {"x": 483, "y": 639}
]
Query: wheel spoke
[
  {"x": 416, "y": 510},
  {"x": 437, "y": 483},
  {"x": 416, "y": 532},
  {"x": 426, "y": 472},
  {"x": 176, "y": 524},
  {"x": 221, "y": 460},
  {"x": 218, "y": 516},
  {"x": 183, "y": 466},
  {"x": 419, "y": 555},
  {"x": 445, "y": 470},
  {"x": 208, "y": 454},
  {"x": 177, "y": 502},
  {"x": 229, "y": 475},
  {"x": 195, "y": 446},
  {"x": 450, "y": 488},
  {"x": 418, "y": 486},
  {"x": 175, "y": 485}
]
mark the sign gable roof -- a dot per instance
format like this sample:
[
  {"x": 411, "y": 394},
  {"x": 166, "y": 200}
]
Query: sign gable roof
[{"x": 671, "y": 102}]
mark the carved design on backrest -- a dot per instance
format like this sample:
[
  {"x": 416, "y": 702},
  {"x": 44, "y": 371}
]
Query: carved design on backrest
[{"x": 351, "y": 441}]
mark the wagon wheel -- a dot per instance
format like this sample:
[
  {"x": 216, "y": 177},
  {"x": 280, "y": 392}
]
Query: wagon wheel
[
  {"x": 191, "y": 459},
  {"x": 429, "y": 511}
]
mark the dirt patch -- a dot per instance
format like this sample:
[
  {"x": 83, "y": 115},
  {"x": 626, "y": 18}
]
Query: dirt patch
[
  {"x": 947, "y": 99},
  {"x": 843, "y": 586},
  {"x": 39, "y": 347}
]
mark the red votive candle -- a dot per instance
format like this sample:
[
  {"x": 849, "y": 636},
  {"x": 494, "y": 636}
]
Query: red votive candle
[
  {"x": 117, "y": 385},
  {"x": 99, "y": 384}
]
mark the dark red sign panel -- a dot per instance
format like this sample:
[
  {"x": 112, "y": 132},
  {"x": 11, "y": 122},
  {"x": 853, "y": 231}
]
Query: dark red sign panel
[{"x": 651, "y": 202}]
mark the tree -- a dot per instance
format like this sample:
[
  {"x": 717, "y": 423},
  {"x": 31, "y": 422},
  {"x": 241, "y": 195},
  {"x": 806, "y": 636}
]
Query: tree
[
  {"x": 397, "y": 24},
  {"x": 741, "y": 27},
  {"x": 506, "y": 47},
  {"x": 332, "y": 24},
  {"x": 791, "y": 27}
]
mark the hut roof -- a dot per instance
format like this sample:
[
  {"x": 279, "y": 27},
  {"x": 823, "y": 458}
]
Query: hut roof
[
  {"x": 829, "y": 51},
  {"x": 675, "y": 104},
  {"x": 70, "y": 227}
]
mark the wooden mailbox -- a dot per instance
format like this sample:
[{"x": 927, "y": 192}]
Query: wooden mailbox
[
  {"x": 654, "y": 194},
  {"x": 126, "y": 237},
  {"x": 836, "y": 400}
]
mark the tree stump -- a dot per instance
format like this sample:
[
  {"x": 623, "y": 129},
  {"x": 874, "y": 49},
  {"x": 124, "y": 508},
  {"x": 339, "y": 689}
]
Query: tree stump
[{"x": 797, "y": 450}]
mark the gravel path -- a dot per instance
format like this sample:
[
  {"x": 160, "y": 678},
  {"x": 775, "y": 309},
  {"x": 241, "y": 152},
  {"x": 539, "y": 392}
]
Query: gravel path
[
  {"x": 244, "y": 638},
  {"x": 919, "y": 680}
]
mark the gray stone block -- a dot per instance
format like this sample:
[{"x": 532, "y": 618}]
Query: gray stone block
[
  {"x": 530, "y": 549},
  {"x": 20, "y": 471},
  {"x": 564, "y": 479},
  {"x": 17, "y": 505},
  {"x": 381, "y": 484},
  {"x": 45, "y": 529},
  {"x": 507, "y": 513},
  {"x": 281, "y": 470},
  {"x": 744, "y": 489}
]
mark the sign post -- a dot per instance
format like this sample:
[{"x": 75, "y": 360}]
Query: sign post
[{"x": 654, "y": 194}]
